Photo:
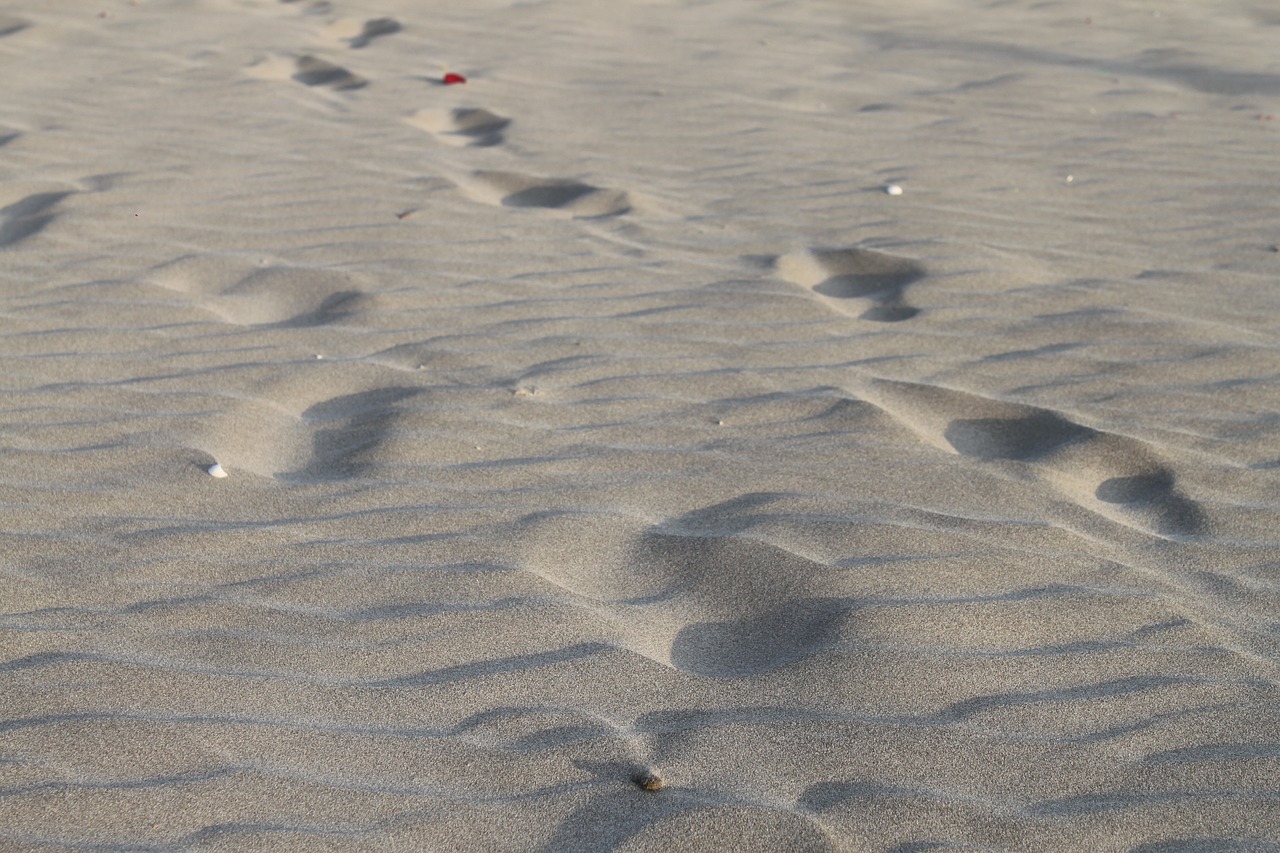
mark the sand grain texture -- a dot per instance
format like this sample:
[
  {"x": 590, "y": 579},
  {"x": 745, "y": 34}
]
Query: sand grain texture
[{"x": 602, "y": 419}]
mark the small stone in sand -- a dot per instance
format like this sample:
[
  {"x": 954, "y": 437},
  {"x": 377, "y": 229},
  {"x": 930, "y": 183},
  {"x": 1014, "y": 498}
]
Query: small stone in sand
[
  {"x": 215, "y": 470},
  {"x": 893, "y": 189},
  {"x": 648, "y": 781}
]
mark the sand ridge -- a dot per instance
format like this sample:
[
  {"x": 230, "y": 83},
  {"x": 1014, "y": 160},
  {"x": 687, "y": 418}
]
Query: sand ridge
[{"x": 612, "y": 464}]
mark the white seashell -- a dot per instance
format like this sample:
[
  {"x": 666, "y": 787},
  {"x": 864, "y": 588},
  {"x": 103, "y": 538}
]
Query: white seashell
[
  {"x": 893, "y": 189},
  {"x": 215, "y": 470}
]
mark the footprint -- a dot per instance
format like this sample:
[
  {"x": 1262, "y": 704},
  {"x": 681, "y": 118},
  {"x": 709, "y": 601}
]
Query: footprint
[
  {"x": 373, "y": 29},
  {"x": 1023, "y": 435},
  {"x": 316, "y": 7},
  {"x": 664, "y": 590},
  {"x": 843, "y": 274},
  {"x": 349, "y": 431},
  {"x": 465, "y": 126},
  {"x": 10, "y": 25},
  {"x": 28, "y": 216},
  {"x": 242, "y": 293},
  {"x": 759, "y": 643},
  {"x": 1113, "y": 475},
  {"x": 512, "y": 189},
  {"x": 313, "y": 71}
]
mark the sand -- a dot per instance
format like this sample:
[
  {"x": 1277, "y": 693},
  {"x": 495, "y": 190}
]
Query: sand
[{"x": 604, "y": 416}]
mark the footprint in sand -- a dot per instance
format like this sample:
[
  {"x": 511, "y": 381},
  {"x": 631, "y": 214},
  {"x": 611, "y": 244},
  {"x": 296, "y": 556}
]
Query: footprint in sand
[
  {"x": 349, "y": 432},
  {"x": 10, "y": 25},
  {"x": 668, "y": 584},
  {"x": 277, "y": 296},
  {"x": 468, "y": 126},
  {"x": 1112, "y": 475},
  {"x": 841, "y": 275},
  {"x": 316, "y": 7},
  {"x": 563, "y": 195},
  {"x": 308, "y": 70},
  {"x": 28, "y": 216},
  {"x": 313, "y": 71},
  {"x": 374, "y": 29}
]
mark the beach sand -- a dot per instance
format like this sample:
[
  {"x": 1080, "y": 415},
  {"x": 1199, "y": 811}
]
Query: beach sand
[{"x": 604, "y": 415}]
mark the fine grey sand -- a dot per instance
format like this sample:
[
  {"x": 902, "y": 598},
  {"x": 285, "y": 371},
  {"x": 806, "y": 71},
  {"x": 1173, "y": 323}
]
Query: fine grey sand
[{"x": 601, "y": 424}]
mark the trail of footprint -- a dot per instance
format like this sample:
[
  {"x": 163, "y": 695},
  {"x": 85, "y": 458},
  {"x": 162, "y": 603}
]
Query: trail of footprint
[
  {"x": 839, "y": 275},
  {"x": 245, "y": 294},
  {"x": 1113, "y": 475},
  {"x": 468, "y": 126},
  {"x": 578, "y": 199},
  {"x": 28, "y": 216}
]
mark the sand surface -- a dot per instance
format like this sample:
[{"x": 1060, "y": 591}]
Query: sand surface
[{"x": 604, "y": 415}]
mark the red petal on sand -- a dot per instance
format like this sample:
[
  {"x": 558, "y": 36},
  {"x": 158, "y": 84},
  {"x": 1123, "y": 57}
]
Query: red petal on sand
[{"x": 451, "y": 78}]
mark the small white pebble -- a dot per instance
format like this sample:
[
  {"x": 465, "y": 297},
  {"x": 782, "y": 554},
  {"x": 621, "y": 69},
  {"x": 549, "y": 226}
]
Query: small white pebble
[
  {"x": 1070, "y": 178},
  {"x": 319, "y": 356},
  {"x": 215, "y": 470},
  {"x": 893, "y": 189}
]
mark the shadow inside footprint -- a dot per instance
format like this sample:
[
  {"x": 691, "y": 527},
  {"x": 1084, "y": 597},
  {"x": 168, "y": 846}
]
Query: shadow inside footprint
[
  {"x": 760, "y": 643},
  {"x": 512, "y": 189},
  {"x": 470, "y": 126},
  {"x": 313, "y": 71},
  {"x": 1013, "y": 438},
  {"x": 1124, "y": 490},
  {"x": 27, "y": 216},
  {"x": 826, "y": 795},
  {"x": 557, "y": 194},
  {"x": 316, "y": 7},
  {"x": 1156, "y": 490},
  {"x": 481, "y": 127},
  {"x": 373, "y": 29},
  {"x": 335, "y": 307},
  {"x": 9, "y": 26},
  {"x": 360, "y": 424}
]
